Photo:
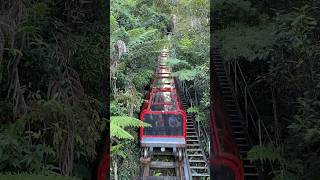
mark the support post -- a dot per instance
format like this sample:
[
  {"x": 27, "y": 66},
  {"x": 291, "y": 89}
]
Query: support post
[
  {"x": 146, "y": 167},
  {"x": 246, "y": 105}
]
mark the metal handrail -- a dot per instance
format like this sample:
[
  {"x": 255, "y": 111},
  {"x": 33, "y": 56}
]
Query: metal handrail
[
  {"x": 199, "y": 123},
  {"x": 247, "y": 93}
]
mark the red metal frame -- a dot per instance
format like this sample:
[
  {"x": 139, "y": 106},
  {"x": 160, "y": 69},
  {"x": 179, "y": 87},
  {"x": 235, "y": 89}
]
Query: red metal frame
[
  {"x": 104, "y": 164},
  {"x": 179, "y": 111},
  {"x": 146, "y": 106}
]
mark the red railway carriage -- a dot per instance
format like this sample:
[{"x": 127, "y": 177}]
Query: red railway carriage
[
  {"x": 163, "y": 70},
  {"x": 164, "y": 82},
  {"x": 164, "y": 112}
]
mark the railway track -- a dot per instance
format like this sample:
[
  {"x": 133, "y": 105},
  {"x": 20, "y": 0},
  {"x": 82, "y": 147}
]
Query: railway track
[
  {"x": 193, "y": 166},
  {"x": 161, "y": 168},
  {"x": 160, "y": 161}
]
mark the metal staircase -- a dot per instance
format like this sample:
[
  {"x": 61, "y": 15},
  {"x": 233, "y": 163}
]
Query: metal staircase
[
  {"x": 235, "y": 116},
  {"x": 196, "y": 157}
]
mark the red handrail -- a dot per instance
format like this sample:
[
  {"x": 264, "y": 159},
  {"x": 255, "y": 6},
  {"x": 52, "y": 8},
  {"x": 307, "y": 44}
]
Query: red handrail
[
  {"x": 104, "y": 165},
  {"x": 224, "y": 148}
]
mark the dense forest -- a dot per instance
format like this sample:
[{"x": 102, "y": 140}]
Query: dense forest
[
  {"x": 58, "y": 58},
  {"x": 276, "y": 44},
  {"x": 54, "y": 79},
  {"x": 140, "y": 29},
  {"x": 53, "y": 86}
]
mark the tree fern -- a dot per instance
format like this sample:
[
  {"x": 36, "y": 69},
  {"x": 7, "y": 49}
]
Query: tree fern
[
  {"x": 138, "y": 36},
  {"x": 118, "y": 123},
  {"x": 118, "y": 150},
  {"x": 118, "y": 132},
  {"x": 263, "y": 153},
  {"x": 172, "y": 62},
  {"x": 145, "y": 48},
  {"x": 142, "y": 78},
  {"x": 193, "y": 110},
  {"x": 186, "y": 74}
]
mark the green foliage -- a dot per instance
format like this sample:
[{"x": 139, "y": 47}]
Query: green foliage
[
  {"x": 57, "y": 120},
  {"x": 285, "y": 175},
  {"x": 263, "y": 153},
  {"x": 249, "y": 42},
  {"x": 186, "y": 74},
  {"x": 285, "y": 37},
  {"x": 200, "y": 113},
  {"x": 235, "y": 11},
  {"x": 35, "y": 177},
  {"x": 118, "y": 132},
  {"x": 142, "y": 26},
  {"x": 185, "y": 43},
  {"x": 56, "y": 58},
  {"x": 137, "y": 37},
  {"x": 142, "y": 78},
  {"x": 91, "y": 62},
  {"x": 127, "y": 155},
  {"x": 193, "y": 110},
  {"x": 117, "y": 123},
  {"x": 173, "y": 62},
  {"x": 18, "y": 153}
]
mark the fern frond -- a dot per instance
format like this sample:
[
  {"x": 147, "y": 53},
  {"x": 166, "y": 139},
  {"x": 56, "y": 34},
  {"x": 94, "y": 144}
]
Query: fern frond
[
  {"x": 186, "y": 74},
  {"x": 126, "y": 121},
  {"x": 174, "y": 62},
  {"x": 146, "y": 48},
  {"x": 193, "y": 110},
  {"x": 138, "y": 36},
  {"x": 263, "y": 153},
  {"x": 118, "y": 132}
]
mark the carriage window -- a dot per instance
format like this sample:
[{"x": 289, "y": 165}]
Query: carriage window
[
  {"x": 162, "y": 63},
  {"x": 162, "y": 107},
  {"x": 163, "y": 71},
  {"x": 163, "y": 75},
  {"x": 161, "y": 81},
  {"x": 165, "y": 83},
  {"x": 164, "y": 124},
  {"x": 163, "y": 97},
  {"x": 165, "y": 86}
]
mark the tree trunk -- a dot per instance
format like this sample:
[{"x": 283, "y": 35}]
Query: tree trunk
[
  {"x": 275, "y": 115},
  {"x": 115, "y": 168}
]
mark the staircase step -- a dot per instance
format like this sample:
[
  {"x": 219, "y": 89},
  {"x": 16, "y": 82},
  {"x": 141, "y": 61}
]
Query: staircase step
[
  {"x": 237, "y": 128},
  {"x": 192, "y": 136},
  {"x": 196, "y": 161},
  {"x": 249, "y": 166},
  {"x": 197, "y": 167},
  {"x": 192, "y": 140},
  {"x": 218, "y": 64},
  {"x": 191, "y": 145},
  {"x": 251, "y": 174},
  {"x": 240, "y": 138},
  {"x": 200, "y": 175},
  {"x": 161, "y": 164},
  {"x": 194, "y": 150},
  {"x": 195, "y": 155},
  {"x": 161, "y": 178}
]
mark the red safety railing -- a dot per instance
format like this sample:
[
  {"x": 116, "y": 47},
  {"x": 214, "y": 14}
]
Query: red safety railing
[{"x": 104, "y": 164}]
